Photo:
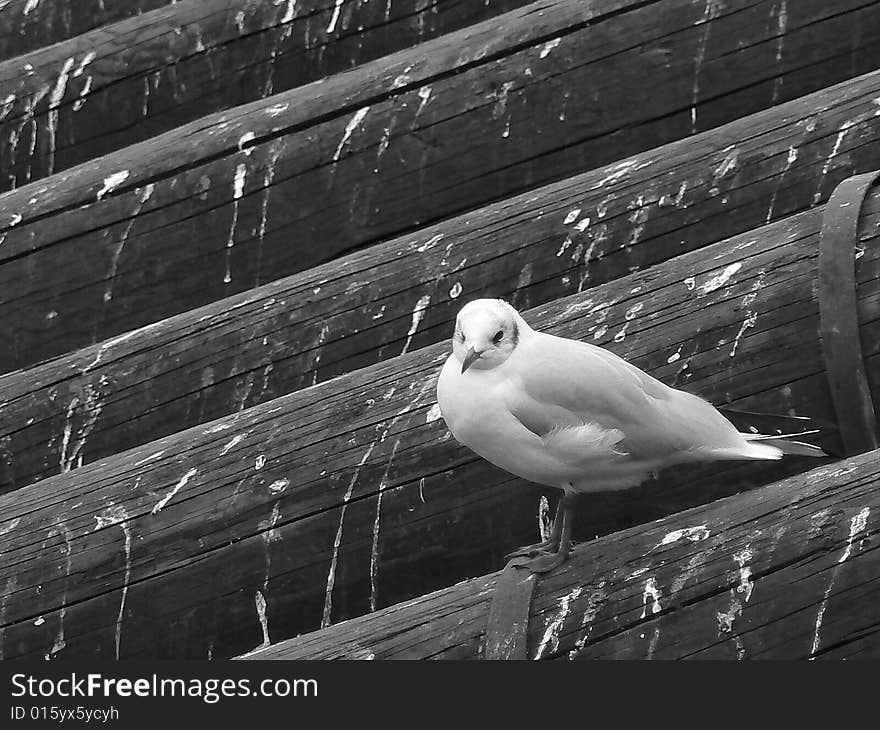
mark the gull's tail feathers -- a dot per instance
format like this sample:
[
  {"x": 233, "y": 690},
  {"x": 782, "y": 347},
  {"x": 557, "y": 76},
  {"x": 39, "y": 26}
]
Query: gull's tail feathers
[
  {"x": 785, "y": 444},
  {"x": 750, "y": 452}
]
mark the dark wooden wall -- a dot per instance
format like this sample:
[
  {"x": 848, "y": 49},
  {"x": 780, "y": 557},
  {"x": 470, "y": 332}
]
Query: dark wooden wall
[
  {"x": 350, "y": 495},
  {"x": 789, "y": 571},
  {"x": 26, "y": 25},
  {"x": 221, "y": 337},
  {"x": 130, "y": 81},
  {"x": 402, "y": 295},
  {"x": 280, "y": 185}
]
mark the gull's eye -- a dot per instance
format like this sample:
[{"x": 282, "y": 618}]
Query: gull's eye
[{"x": 499, "y": 335}]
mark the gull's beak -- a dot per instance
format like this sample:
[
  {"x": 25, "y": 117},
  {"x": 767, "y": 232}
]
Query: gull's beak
[{"x": 469, "y": 359}]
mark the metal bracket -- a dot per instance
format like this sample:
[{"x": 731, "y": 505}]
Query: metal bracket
[
  {"x": 838, "y": 315},
  {"x": 508, "y": 623}
]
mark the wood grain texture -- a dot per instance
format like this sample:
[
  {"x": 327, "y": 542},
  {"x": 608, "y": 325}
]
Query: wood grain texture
[
  {"x": 404, "y": 294},
  {"x": 129, "y": 81},
  {"x": 788, "y": 571},
  {"x": 277, "y": 186},
  {"x": 350, "y": 495},
  {"x": 26, "y": 25}
]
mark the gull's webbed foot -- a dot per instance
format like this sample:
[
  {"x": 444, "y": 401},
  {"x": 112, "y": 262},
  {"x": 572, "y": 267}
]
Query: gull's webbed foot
[
  {"x": 530, "y": 551},
  {"x": 553, "y": 552},
  {"x": 543, "y": 561}
]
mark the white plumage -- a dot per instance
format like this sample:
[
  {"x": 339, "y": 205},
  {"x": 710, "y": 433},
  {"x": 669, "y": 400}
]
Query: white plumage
[{"x": 571, "y": 415}]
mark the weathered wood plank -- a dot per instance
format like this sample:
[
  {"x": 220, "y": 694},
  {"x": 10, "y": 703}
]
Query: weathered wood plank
[
  {"x": 282, "y": 184},
  {"x": 350, "y": 495},
  {"x": 788, "y": 571},
  {"x": 26, "y": 25},
  {"x": 127, "y": 82},
  {"x": 260, "y": 344}
]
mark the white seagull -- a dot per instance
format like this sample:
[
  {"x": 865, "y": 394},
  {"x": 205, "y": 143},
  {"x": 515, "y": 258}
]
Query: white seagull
[{"x": 571, "y": 415}]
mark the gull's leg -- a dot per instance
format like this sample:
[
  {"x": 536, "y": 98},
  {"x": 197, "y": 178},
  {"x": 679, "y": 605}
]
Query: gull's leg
[
  {"x": 551, "y": 544},
  {"x": 546, "y": 561}
]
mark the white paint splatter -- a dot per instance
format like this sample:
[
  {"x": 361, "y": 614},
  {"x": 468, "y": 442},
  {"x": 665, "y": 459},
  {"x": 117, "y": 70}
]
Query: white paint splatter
[
  {"x": 353, "y": 124},
  {"x": 238, "y": 183},
  {"x": 239, "y": 180},
  {"x": 177, "y": 487},
  {"x": 618, "y": 171},
  {"x": 430, "y": 243},
  {"x": 289, "y": 11},
  {"x": 549, "y": 46},
  {"x": 260, "y": 603},
  {"x": 595, "y": 601},
  {"x": 243, "y": 140},
  {"x": 652, "y": 592},
  {"x": 10, "y": 527},
  {"x": 632, "y": 311},
  {"x": 857, "y": 524},
  {"x": 92, "y": 407},
  {"x": 112, "y": 182},
  {"x": 751, "y": 316},
  {"x": 233, "y": 443},
  {"x": 113, "y": 515},
  {"x": 271, "y": 534},
  {"x": 571, "y": 217},
  {"x": 433, "y": 414},
  {"x": 260, "y": 462},
  {"x": 149, "y": 458},
  {"x": 712, "y": 11},
  {"x": 455, "y": 290},
  {"x": 554, "y": 626},
  {"x": 334, "y": 19},
  {"x": 62, "y": 529},
  {"x": 424, "y": 97},
  {"x": 277, "y": 109},
  {"x": 694, "y": 534},
  {"x": 418, "y": 314},
  {"x": 279, "y": 486},
  {"x": 143, "y": 197},
  {"x": 844, "y": 128},
  {"x": 781, "y": 25},
  {"x": 792, "y": 156},
  {"x": 719, "y": 280},
  {"x": 55, "y": 99},
  {"x": 218, "y": 428},
  {"x": 727, "y": 165},
  {"x": 402, "y": 79},
  {"x": 331, "y": 575},
  {"x": 745, "y": 573}
]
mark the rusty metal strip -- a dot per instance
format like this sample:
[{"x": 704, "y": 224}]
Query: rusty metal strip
[
  {"x": 838, "y": 315},
  {"x": 506, "y": 629}
]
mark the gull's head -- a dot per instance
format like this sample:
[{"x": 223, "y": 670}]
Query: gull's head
[{"x": 486, "y": 333}]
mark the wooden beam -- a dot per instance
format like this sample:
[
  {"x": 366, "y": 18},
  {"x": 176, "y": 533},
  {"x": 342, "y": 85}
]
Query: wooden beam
[
  {"x": 26, "y": 25},
  {"x": 788, "y": 571},
  {"x": 257, "y": 345},
  {"x": 132, "y": 80},
  {"x": 280, "y": 185},
  {"x": 350, "y": 495}
]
